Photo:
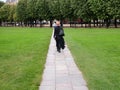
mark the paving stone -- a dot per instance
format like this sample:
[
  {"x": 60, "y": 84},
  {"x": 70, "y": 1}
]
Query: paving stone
[
  {"x": 62, "y": 72},
  {"x": 60, "y": 63},
  {"x": 47, "y": 88},
  {"x": 72, "y": 72},
  {"x": 48, "y": 83},
  {"x": 77, "y": 81},
  {"x": 49, "y": 72},
  {"x": 63, "y": 67},
  {"x": 50, "y": 68},
  {"x": 80, "y": 88},
  {"x": 48, "y": 77},
  {"x": 63, "y": 86}
]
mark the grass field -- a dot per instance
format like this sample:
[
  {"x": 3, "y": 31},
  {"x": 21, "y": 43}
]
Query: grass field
[
  {"x": 97, "y": 54},
  {"x": 22, "y": 57},
  {"x": 23, "y": 52}
]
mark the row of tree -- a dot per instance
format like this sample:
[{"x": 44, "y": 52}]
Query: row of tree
[{"x": 28, "y": 12}]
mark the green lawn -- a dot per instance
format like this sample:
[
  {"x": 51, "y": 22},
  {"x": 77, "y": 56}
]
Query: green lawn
[
  {"x": 97, "y": 54},
  {"x": 22, "y": 57}
]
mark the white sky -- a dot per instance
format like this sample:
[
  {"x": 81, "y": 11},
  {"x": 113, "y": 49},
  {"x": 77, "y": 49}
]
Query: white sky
[{"x": 3, "y": 0}]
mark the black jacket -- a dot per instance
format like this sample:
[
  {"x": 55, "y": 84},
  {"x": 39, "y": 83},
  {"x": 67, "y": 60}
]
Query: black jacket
[{"x": 56, "y": 31}]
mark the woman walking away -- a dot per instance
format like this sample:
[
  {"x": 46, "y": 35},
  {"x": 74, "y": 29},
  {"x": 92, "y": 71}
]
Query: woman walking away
[{"x": 58, "y": 35}]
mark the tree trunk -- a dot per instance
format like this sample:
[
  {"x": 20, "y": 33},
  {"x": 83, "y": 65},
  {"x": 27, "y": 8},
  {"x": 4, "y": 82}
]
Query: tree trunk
[
  {"x": 115, "y": 22},
  {"x": 50, "y": 22},
  {"x": 70, "y": 22},
  {"x": 40, "y": 23},
  {"x": 3, "y": 23},
  {"x": 97, "y": 22},
  {"x": 85, "y": 25},
  {"x": 15, "y": 24},
  {"x": 7, "y": 23},
  {"x": 102, "y": 23},
  {"x": 89, "y": 24},
  {"x": 61, "y": 22},
  {"x": 25, "y": 23},
  {"x": 94, "y": 22},
  {"x": 107, "y": 23},
  {"x": 0, "y": 23},
  {"x": 21, "y": 23},
  {"x": 81, "y": 24}
]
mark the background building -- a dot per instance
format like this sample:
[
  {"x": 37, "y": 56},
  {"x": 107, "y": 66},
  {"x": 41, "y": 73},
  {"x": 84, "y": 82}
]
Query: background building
[{"x": 11, "y": 1}]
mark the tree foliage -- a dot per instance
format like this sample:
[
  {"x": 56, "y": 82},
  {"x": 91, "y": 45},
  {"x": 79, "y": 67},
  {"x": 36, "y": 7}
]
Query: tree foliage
[
  {"x": 5, "y": 12},
  {"x": 113, "y": 8},
  {"x": 12, "y": 13},
  {"x": 32, "y": 10},
  {"x": 21, "y": 10},
  {"x": 1, "y": 4},
  {"x": 42, "y": 9}
]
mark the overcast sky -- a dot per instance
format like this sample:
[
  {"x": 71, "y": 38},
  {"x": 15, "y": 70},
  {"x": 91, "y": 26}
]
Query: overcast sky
[{"x": 3, "y": 0}]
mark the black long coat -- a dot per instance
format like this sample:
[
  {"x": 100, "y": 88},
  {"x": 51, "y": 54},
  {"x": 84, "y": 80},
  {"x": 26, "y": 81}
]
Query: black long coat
[{"x": 60, "y": 43}]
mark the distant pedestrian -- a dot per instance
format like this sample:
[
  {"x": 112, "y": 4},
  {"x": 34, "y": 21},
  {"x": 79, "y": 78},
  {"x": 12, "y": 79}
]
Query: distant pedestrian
[
  {"x": 54, "y": 25},
  {"x": 60, "y": 43}
]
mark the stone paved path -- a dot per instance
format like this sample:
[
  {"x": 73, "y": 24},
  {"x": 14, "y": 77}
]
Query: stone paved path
[{"x": 61, "y": 72}]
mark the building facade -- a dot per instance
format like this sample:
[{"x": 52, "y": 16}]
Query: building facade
[{"x": 11, "y": 1}]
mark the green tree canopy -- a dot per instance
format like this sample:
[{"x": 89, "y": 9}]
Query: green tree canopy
[
  {"x": 12, "y": 13},
  {"x": 5, "y": 12},
  {"x": 21, "y": 10},
  {"x": 113, "y": 8},
  {"x": 32, "y": 10},
  {"x": 1, "y": 3}
]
